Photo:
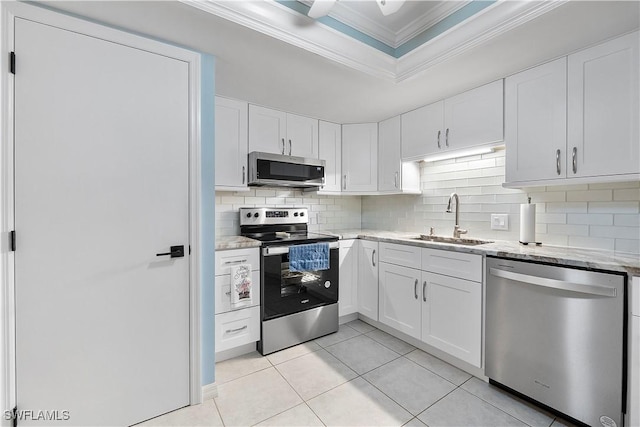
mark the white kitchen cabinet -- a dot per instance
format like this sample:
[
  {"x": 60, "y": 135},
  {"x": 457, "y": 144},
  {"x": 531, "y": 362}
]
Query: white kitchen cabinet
[
  {"x": 536, "y": 123},
  {"x": 598, "y": 141},
  {"x": 368, "y": 278},
  {"x": 394, "y": 175},
  {"x": 398, "y": 300},
  {"x": 236, "y": 327},
  {"x": 603, "y": 112},
  {"x": 469, "y": 119},
  {"x": 422, "y": 131},
  {"x": 452, "y": 316},
  {"x": 231, "y": 141},
  {"x": 348, "y": 280},
  {"x": 360, "y": 157},
  {"x": 330, "y": 150},
  {"x": 273, "y": 131}
]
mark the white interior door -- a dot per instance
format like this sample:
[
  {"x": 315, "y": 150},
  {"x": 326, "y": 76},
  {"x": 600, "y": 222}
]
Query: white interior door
[{"x": 101, "y": 186}]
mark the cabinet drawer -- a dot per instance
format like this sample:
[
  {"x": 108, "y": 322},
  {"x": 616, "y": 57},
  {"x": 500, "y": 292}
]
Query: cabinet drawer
[
  {"x": 227, "y": 259},
  {"x": 454, "y": 264},
  {"x": 237, "y": 328},
  {"x": 405, "y": 255},
  {"x": 223, "y": 291}
]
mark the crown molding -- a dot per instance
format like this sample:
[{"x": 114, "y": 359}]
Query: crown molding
[
  {"x": 428, "y": 20},
  {"x": 282, "y": 23}
]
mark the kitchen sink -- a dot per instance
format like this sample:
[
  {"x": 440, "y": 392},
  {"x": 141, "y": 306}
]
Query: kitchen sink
[{"x": 452, "y": 240}]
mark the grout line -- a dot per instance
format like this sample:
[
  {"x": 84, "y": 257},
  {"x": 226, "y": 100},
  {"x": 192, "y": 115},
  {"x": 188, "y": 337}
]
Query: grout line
[{"x": 215, "y": 405}]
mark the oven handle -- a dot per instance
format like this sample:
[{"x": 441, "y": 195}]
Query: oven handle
[
  {"x": 279, "y": 250},
  {"x": 604, "y": 291}
]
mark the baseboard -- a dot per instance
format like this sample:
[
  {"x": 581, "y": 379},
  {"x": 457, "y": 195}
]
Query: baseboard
[
  {"x": 209, "y": 391},
  {"x": 235, "y": 352},
  {"x": 347, "y": 318}
]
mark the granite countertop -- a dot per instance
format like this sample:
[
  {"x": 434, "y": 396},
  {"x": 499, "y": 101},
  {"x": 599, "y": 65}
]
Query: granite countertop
[
  {"x": 563, "y": 256},
  {"x": 235, "y": 242}
]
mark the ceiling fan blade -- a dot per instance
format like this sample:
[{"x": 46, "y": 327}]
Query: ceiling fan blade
[{"x": 320, "y": 8}]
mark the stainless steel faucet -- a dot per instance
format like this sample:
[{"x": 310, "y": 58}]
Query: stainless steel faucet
[{"x": 457, "y": 231}]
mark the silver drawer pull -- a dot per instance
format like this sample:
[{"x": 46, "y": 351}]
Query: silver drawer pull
[
  {"x": 415, "y": 289},
  {"x": 240, "y": 261},
  {"x": 230, "y": 331},
  {"x": 424, "y": 287},
  {"x": 558, "y": 161}
]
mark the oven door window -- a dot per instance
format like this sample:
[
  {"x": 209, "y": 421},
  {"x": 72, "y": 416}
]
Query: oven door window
[{"x": 286, "y": 292}]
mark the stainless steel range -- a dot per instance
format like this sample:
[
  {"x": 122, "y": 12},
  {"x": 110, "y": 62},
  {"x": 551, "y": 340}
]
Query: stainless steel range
[{"x": 296, "y": 306}]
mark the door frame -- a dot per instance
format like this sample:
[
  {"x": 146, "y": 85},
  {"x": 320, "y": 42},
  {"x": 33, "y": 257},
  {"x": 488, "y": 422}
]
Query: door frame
[{"x": 8, "y": 12}]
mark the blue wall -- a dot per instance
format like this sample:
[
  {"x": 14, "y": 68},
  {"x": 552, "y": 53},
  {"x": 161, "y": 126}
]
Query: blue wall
[{"x": 207, "y": 222}]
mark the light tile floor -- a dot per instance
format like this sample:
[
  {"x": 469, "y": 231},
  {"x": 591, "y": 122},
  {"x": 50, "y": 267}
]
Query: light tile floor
[{"x": 359, "y": 376}]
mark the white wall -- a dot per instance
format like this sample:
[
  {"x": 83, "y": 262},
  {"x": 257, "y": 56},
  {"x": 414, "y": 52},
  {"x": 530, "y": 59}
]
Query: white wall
[
  {"x": 604, "y": 216},
  {"x": 325, "y": 212}
]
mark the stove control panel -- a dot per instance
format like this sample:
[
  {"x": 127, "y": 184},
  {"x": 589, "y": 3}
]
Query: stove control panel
[{"x": 266, "y": 216}]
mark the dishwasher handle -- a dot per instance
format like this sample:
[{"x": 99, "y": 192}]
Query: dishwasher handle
[{"x": 604, "y": 291}]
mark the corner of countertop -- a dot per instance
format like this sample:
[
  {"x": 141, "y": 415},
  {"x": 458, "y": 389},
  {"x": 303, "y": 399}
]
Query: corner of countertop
[{"x": 235, "y": 242}]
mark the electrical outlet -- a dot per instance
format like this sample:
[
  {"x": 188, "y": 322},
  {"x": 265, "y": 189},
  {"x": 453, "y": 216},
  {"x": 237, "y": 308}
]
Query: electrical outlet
[{"x": 499, "y": 221}]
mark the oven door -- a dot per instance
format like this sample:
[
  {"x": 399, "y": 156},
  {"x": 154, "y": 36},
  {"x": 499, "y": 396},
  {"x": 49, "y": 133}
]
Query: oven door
[{"x": 287, "y": 292}]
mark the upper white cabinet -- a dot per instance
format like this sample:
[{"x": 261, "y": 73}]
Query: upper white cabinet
[
  {"x": 536, "y": 122},
  {"x": 575, "y": 119},
  {"x": 471, "y": 118},
  {"x": 368, "y": 278},
  {"x": 394, "y": 175},
  {"x": 277, "y": 132},
  {"x": 359, "y": 157},
  {"x": 231, "y": 144},
  {"x": 330, "y": 150},
  {"x": 603, "y": 109}
]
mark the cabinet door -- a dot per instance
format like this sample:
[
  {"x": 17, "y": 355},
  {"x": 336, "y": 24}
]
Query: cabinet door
[
  {"x": 360, "y": 157},
  {"x": 399, "y": 298},
  {"x": 267, "y": 130},
  {"x": 452, "y": 316},
  {"x": 348, "y": 281},
  {"x": 389, "y": 164},
  {"x": 474, "y": 117},
  {"x": 603, "y": 109},
  {"x": 368, "y": 278},
  {"x": 536, "y": 123},
  {"x": 302, "y": 136},
  {"x": 330, "y": 150},
  {"x": 231, "y": 133},
  {"x": 422, "y": 131}
]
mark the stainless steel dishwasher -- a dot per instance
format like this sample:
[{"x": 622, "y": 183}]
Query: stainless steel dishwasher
[{"x": 557, "y": 336}]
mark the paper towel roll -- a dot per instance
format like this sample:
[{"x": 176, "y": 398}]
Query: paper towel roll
[{"x": 527, "y": 223}]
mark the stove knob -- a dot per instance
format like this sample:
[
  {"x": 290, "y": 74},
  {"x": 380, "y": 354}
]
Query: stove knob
[
  {"x": 301, "y": 213},
  {"x": 249, "y": 215},
  {"x": 256, "y": 215}
]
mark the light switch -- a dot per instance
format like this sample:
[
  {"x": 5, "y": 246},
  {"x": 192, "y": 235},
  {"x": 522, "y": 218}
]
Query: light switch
[{"x": 499, "y": 221}]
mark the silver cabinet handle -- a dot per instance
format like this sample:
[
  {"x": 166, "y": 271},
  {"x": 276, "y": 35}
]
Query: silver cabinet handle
[
  {"x": 240, "y": 261},
  {"x": 574, "y": 159},
  {"x": 230, "y": 331},
  {"x": 415, "y": 289},
  {"x": 604, "y": 291},
  {"x": 395, "y": 180},
  {"x": 446, "y": 137},
  {"x": 373, "y": 258},
  {"x": 289, "y": 147},
  {"x": 558, "y": 161},
  {"x": 282, "y": 145},
  {"x": 243, "y": 174},
  {"x": 439, "y": 132},
  {"x": 424, "y": 288},
  {"x": 344, "y": 183}
]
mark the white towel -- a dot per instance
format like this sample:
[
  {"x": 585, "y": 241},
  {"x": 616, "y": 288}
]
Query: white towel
[{"x": 241, "y": 285}]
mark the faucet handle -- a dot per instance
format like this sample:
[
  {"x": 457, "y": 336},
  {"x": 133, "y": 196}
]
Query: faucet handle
[{"x": 432, "y": 231}]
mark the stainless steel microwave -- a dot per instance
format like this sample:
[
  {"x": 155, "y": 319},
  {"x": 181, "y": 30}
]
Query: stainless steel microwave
[{"x": 285, "y": 171}]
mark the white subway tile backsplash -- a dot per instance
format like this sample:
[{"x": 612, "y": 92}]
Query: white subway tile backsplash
[
  {"x": 614, "y": 232},
  {"x": 568, "y": 229},
  {"x": 592, "y": 242},
  {"x": 626, "y": 220},
  {"x": 627, "y": 194},
  {"x": 569, "y": 207},
  {"x": 590, "y": 196},
  {"x": 628, "y": 245},
  {"x": 590, "y": 219},
  {"x": 614, "y": 207}
]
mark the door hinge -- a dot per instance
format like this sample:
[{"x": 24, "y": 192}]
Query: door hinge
[
  {"x": 14, "y": 413},
  {"x": 12, "y": 62},
  {"x": 12, "y": 241}
]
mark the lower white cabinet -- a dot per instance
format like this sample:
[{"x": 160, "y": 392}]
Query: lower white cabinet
[
  {"x": 368, "y": 278},
  {"x": 399, "y": 303},
  {"x": 435, "y": 296},
  {"x": 236, "y": 327},
  {"x": 348, "y": 280},
  {"x": 452, "y": 316}
]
